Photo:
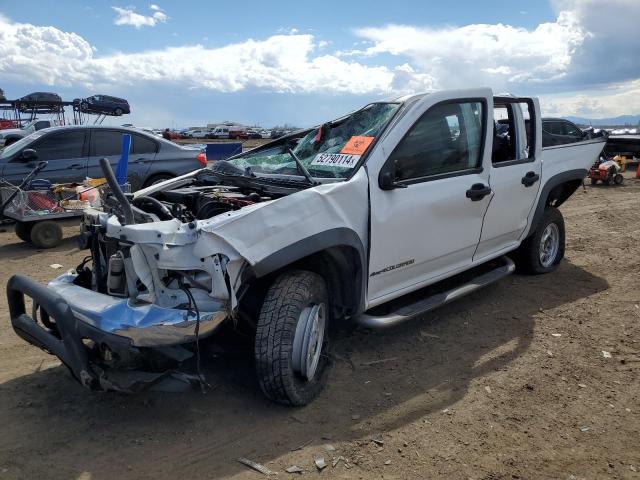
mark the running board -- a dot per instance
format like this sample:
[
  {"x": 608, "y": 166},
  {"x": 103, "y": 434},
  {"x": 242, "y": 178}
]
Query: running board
[{"x": 412, "y": 310}]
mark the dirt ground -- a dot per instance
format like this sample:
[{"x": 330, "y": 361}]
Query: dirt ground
[{"x": 510, "y": 382}]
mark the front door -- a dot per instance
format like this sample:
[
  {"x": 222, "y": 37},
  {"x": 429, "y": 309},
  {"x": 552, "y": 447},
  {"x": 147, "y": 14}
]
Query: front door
[
  {"x": 428, "y": 226},
  {"x": 65, "y": 154}
]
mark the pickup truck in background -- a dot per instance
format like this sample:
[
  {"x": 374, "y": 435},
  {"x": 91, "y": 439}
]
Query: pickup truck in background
[
  {"x": 12, "y": 135},
  {"x": 422, "y": 195}
]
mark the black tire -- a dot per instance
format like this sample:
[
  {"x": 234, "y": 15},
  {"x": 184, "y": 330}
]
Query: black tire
[
  {"x": 608, "y": 180},
  {"x": 118, "y": 112},
  {"x": 46, "y": 234},
  {"x": 161, "y": 177},
  {"x": 288, "y": 296},
  {"x": 84, "y": 106},
  {"x": 23, "y": 231},
  {"x": 528, "y": 256},
  {"x": 618, "y": 179}
]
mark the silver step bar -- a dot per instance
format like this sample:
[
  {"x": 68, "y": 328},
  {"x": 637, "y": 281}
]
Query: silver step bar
[{"x": 425, "y": 305}]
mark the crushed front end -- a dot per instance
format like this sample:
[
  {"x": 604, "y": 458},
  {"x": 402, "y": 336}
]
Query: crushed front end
[{"x": 134, "y": 311}]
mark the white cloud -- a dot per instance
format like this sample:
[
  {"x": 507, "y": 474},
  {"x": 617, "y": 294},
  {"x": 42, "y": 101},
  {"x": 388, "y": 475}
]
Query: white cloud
[
  {"x": 280, "y": 63},
  {"x": 609, "y": 102},
  {"x": 128, "y": 16}
]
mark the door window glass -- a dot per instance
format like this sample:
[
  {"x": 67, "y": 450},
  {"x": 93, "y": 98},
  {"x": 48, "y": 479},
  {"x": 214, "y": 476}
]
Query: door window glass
[
  {"x": 572, "y": 130},
  {"x": 143, "y": 145},
  {"x": 62, "y": 145},
  {"x": 105, "y": 143},
  {"x": 447, "y": 138}
]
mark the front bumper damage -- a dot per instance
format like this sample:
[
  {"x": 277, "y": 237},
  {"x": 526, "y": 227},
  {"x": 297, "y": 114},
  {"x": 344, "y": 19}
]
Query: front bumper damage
[{"x": 109, "y": 343}]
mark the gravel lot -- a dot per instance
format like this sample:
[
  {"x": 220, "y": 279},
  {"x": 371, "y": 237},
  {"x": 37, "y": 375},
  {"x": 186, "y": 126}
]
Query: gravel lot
[{"x": 510, "y": 382}]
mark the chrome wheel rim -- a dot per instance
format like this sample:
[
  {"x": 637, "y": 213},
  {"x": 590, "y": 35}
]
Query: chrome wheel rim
[
  {"x": 308, "y": 340},
  {"x": 549, "y": 245}
]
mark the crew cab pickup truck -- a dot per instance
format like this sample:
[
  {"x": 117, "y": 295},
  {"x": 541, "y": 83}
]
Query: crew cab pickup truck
[{"x": 422, "y": 195}]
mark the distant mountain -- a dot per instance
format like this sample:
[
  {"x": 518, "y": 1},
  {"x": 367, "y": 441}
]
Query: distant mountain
[{"x": 621, "y": 120}]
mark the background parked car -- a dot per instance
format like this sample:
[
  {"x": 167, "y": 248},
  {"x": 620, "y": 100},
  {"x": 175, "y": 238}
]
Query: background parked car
[
  {"x": 73, "y": 153},
  {"x": 199, "y": 133},
  {"x": 103, "y": 104},
  {"x": 40, "y": 101},
  {"x": 557, "y": 131}
]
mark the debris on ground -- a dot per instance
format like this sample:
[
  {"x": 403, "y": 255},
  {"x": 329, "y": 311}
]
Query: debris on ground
[
  {"x": 256, "y": 466},
  {"x": 337, "y": 460},
  {"x": 488, "y": 389},
  {"x": 293, "y": 469},
  {"x": 329, "y": 448},
  {"x": 376, "y": 362},
  {"x": 378, "y": 441},
  {"x": 320, "y": 463},
  {"x": 56, "y": 266},
  {"x": 606, "y": 354}
]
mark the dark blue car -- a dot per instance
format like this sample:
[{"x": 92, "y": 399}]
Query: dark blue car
[{"x": 103, "y": 104}]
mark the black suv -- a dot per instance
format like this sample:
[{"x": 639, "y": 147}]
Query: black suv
[
  {"x": 103, "y": 104},
  {"x": 40, "y": 102}
]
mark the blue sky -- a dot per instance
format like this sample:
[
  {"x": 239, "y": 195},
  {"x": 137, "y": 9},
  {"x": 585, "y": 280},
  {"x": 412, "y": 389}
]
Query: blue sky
[{"x": 192, "y": 62}]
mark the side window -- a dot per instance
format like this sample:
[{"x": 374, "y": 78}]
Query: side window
[
  {"x": 447, "y": 138},
  {"x": 105, "y": 143},
  {"x": 143, "y": 145},
  {"x": 60, "y": 146},
  {"x": 570, "y": 129},
  {"x": 41, "y": 124},
  {"x": 503, "y": 146}
]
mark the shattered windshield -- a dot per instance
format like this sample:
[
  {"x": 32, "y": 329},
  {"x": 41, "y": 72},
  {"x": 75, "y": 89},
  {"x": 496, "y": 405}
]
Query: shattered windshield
[{"x": 328, "y": 151}]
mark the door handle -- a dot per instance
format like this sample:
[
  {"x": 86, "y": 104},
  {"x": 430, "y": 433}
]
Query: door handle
[
  {"x": 142, "y": 160},
  {"x": 530, "y": 178},
  {"x": 478, "y": 191},
  {"x": 76, "y": 166}
]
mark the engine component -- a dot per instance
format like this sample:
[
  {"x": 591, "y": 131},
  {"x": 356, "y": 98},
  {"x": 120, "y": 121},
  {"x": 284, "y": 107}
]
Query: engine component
[{"x": 116, "y": 279}]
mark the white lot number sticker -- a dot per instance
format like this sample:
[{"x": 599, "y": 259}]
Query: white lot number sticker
[{"x": 336, "y": 160}]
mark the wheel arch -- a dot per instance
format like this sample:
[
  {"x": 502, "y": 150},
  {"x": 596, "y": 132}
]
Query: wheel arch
[
  {"x": 555, "y": 192},
  {"x": 338, "y": 255}
]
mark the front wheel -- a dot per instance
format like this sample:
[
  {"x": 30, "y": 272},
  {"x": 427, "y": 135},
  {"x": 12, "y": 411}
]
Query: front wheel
[
  {"x": 544, "y": 249},
  {"x": 291, "y": 338}
]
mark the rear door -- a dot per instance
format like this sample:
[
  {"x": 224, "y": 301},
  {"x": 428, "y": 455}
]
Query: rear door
[
  {"x": 64, "y": 150},
  {"x": 107, "y": 143},
  {"x": 428, "y": 227},
  {"x": 515, "y": 173}
]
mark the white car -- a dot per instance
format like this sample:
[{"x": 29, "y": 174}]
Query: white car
[{"x": 328, "y": 226}]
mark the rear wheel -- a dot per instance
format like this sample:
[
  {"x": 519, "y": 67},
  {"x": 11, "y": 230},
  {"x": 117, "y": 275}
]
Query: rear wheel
[
  {"x": 544, "y": 249},
  {"x": 23, "y": 231},
  {"x": 618, "y": 179},
  {"x": 157, "y": 179},
  {"x": 118, "y": 112},
  {"x": 291, "y": 338},
  {"x": 46, "y": 234}
]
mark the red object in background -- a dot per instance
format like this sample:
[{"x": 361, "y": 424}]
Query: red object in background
[
  {"x": 638, "y": 171},
  {"x": 39, "y": 201},
  {"x": 202, "y": 158},
  {"x": 8, "y": 124}
]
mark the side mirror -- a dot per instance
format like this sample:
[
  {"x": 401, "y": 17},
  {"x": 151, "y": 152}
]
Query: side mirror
[
  {"x": 28, "y": 154},
  {"x": 386, "y": 181}
]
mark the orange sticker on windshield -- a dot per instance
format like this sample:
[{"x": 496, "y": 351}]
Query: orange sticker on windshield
[{"x": 357, "y": 145}]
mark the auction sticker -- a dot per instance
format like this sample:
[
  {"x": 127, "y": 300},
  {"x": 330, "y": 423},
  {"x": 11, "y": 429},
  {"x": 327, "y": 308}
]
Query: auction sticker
[
  {"x": 357, "y": 145},
  {"x": 336, "y": 160}
]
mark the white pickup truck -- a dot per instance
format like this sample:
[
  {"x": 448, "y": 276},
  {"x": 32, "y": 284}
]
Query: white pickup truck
[{"x": 432, "y": 195}]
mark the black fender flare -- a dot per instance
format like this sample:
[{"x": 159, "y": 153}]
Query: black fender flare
[
  {"x": 317, "y": 243},
  {"x": 563, "y": 177}
]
